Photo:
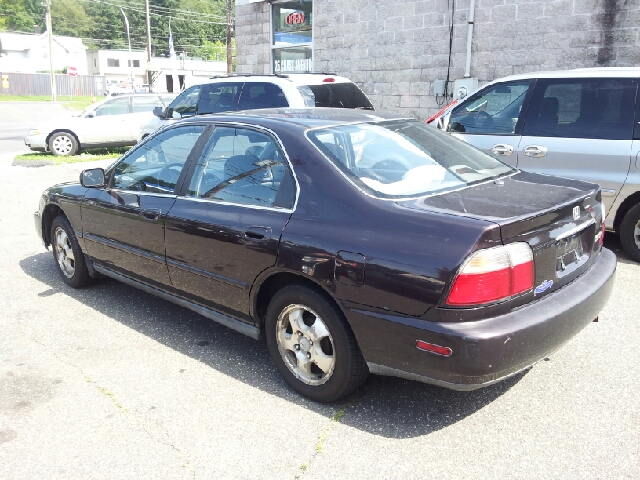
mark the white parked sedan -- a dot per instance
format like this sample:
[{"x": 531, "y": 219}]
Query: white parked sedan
[{"x": 114, "y": 122}]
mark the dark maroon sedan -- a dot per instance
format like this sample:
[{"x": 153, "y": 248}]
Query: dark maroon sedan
[{"x": 355, "y": 242}]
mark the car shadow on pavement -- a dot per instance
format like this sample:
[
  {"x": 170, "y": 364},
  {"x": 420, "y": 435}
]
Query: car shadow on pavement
[{"x": 385, "y": 406}]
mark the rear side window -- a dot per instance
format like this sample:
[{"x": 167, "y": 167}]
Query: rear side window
[
  {"x": 336, "y": 95},
  {"x": 262, "y": 95},
  {"x": 597, "y": 108},
  {"x": 243, "y": 166},
  {"x": 219, "y": 97},
  {"x": 146, "y": 103}
]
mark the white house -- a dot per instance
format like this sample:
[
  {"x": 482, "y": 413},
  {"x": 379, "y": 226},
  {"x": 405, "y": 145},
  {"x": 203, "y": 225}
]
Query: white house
[
  {"x": 118, "y": 65},
  {"x": 29, "y": 53}
]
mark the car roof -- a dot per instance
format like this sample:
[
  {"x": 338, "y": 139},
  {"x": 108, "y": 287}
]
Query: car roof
[
  {"x": 312, "y": 117},
  {"x": 601, "y": 72},
  {"x": 279, "y": 79}
]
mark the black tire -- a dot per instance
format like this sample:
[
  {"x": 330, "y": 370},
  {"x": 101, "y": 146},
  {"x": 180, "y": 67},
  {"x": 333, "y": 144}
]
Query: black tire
[
  {"x": 349, "y": 366},
  {"x": 63, "y": 144},
  {"x": 629, "y": 237},
  {"x": 79, "y": 277}
]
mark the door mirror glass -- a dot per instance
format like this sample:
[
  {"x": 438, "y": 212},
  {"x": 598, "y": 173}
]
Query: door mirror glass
[
  {"x": 90, "y": 115},
  {"x": 92, "y": 178},
  {"x": 158, "y": 112},
  {"x": 493, "y": 111}
]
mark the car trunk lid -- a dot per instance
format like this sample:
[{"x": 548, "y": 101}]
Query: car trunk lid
[{"x": 559, "y": 219}]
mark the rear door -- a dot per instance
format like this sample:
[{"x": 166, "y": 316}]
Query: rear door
[
  {"x": 581, "y": 129},
  {"x": 226, "y": 229},
  {"x": 219, "y": 97},
  {"x": 261, "y": 95},
  {"x": 491, "y": 119},
  {"x": 110, "y": 123}
]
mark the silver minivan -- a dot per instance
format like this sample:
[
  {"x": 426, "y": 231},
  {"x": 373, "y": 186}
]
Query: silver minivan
[{"x": 582, "y": 124}]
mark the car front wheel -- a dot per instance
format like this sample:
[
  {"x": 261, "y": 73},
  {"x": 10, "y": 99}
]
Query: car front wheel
[
  {"x": 630, "y": 233},
  {"x": 68, "y": 254},
  {"x": 312, "y": 346},
  {"x": 63, "y": 144}
]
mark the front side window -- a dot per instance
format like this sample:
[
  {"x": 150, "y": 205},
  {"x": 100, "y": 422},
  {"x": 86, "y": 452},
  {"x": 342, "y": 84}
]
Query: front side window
[
  {"x": 404, "y": 158},
  {"x": 156, "y": 164},
  {"x": 292, "y": 36},
  {"x": 599, "y": 108},
  {"x": 185, "y": 104},
  {"x": 243, "y": 166},
  {"x": 117, "y": 106},
  {"x": 493, "y": 111},
  {"x": 219, "y": 97}
]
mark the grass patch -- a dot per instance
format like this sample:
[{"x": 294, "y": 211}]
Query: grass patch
[
  {"x": 74, "y": 103},
  {"x": 86, "y": 156}
]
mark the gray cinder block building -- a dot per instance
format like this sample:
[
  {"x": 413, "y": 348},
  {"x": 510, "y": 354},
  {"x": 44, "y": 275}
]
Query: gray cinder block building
[{"x": 402, "y": 52}]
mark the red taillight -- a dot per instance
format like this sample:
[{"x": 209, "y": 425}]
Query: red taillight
[
  {"x": 430, "y": 347},
  {"x": 493, "y": 274},
  {"x": 329, "y": 80}
]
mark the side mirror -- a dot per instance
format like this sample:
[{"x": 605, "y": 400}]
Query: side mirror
[
  {"x": 92, "y": 178},
  {"x": 90, "y": 115},
  {"x": 158, "y": 112}
]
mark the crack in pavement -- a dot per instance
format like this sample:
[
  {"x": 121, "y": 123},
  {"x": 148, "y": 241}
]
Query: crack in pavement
[
  {"x": 181, "y": 454},
  {"x": 324, "y": 434}
]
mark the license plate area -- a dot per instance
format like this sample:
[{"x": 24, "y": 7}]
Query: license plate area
[{"x": 571, "y": 253}]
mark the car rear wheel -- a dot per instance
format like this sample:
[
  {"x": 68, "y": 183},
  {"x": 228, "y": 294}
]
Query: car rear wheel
[
  {"x": 68, "y": 254},
  {"x": 63, "y": 144},
  {"x": 312, "y": 346},
  {"x": 630, "y": 233}
]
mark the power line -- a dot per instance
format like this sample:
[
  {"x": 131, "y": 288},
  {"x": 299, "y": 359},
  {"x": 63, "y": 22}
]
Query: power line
[{"x": 173, "y": 17}]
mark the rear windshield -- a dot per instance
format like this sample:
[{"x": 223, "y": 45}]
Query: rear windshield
[
  {"x": 337, "y": 95},
  {"x": 404, "y": 158}
]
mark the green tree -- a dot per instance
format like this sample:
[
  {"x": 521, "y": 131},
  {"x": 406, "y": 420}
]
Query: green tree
[{"x": 68, "y": 17}]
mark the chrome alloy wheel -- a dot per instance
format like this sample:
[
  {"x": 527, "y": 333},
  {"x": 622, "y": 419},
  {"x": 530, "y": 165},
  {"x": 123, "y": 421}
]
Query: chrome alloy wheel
[
  {"x": 64, "y": 253},
  {"x": 305, "y": 344},
  {"x": 62, "y": 145},
  {"x": 636, "y": 234}
]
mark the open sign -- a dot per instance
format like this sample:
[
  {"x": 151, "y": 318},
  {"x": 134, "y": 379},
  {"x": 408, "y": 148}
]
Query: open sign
[{"x": 295, "y": 18}]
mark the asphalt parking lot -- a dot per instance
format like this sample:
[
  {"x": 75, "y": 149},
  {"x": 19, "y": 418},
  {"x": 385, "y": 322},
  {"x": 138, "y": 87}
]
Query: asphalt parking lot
[{"x": 112, "y": 383}]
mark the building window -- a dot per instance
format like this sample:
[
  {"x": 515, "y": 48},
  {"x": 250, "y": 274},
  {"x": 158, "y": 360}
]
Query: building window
[
  {"x": 292, "y": 36},
  {"x": 113, "y": 62},
  {"x": 136, "y": 63}
]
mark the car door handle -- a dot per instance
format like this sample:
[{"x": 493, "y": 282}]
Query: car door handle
[
  {"x": 502, "y": 149},
  {"x": 258, "y": 233},
  {"x": 535, "y": 151},
  {"x": 151, "y": 213}
]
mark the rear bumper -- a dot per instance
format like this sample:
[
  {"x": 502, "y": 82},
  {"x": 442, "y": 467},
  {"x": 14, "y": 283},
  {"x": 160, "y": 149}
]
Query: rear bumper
[{"x": 488, "y": 350}]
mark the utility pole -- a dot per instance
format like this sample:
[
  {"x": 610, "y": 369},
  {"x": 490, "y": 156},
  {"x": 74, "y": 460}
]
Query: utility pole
[
  {"x": 149, "y": 75},
  {"x": 126, "y": 22},
  {"x": 47, "y": 7},
  {"x": 229, "y": 52}
]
